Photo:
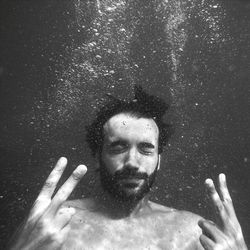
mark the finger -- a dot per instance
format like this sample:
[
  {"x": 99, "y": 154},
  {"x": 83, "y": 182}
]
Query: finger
[
  {"x": 225, "y": 196},
  {"x": 207, "y": 243},
  {"x": 67, "y": 188},
  {"x": 223, "y": 188},
  {"x": 51, "y": 183},
  {"x": 44, "y": 198},
  {"x": 216, "y": 201},
  {"x": 211, "y": 230},
  {"x": 64, "y": 216},
  {"x": 38, "y": 209}
]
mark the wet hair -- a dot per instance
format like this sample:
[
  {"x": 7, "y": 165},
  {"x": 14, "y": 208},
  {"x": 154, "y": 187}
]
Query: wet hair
[{"x": 142, "y": 106}]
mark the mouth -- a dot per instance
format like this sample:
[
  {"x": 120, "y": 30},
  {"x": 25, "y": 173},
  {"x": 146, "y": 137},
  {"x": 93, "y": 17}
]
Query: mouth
[{"x": 131, "y": 182}]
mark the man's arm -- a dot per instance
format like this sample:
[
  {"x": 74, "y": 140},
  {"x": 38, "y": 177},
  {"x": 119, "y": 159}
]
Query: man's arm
[
  {"x": 47, "y": 225},
  {"x": 227, "y": 235}
]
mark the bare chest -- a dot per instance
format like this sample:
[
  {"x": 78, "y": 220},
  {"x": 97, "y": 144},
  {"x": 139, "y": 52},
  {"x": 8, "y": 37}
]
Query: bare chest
[{"x": 145, "y": 233}]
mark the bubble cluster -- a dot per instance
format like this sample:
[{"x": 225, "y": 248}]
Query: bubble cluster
[
  {"x": 162, "y": 45},
  {"x": 124, "y": 42}
]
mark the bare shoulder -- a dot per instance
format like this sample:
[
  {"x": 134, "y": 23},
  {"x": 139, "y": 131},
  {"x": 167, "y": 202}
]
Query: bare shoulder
[
  {"x": 182, "y": 215},
  {"x": 189, "y": 228},
  {"x": 185, "y": 220},
  {"x": 189, "y": 222},
  {"x": 183, "y": 225}
]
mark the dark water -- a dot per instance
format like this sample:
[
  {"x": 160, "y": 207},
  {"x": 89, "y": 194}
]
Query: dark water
[{"x": 58, "y": 59}]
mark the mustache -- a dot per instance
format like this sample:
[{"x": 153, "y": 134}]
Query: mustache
[{"x": 128, "y": 173}]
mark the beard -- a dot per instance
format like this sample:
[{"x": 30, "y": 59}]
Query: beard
[{"x": 126, "y": 185}]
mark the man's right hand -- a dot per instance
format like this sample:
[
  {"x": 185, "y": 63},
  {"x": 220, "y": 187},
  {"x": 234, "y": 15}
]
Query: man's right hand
[{"x": 47, "y": 225}]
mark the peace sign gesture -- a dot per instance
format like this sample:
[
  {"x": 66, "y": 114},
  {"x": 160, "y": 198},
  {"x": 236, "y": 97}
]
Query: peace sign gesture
[
  {"x": 227, "y": 235},
  {"x": 48, "y": 223}
]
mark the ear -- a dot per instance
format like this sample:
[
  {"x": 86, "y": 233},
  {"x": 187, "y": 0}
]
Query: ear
[{"x": 159, "y": 162}]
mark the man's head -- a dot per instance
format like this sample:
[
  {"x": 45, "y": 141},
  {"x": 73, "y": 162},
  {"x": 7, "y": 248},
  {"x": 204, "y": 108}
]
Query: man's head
[
  {"x": 129, "y": 157},
  {"x": 128, "y": 137}
]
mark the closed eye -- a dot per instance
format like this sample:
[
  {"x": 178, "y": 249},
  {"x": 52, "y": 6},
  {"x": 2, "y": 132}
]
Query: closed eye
[
  {"x": 117, "y": 146},
  {"x": 146, "y": 147}
]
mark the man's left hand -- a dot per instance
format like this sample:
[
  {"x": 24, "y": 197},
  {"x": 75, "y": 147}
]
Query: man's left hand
[{"x": 227, "y": 234}]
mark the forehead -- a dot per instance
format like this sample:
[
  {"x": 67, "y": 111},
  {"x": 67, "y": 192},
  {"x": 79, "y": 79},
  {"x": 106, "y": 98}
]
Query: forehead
[{"x": 127, "y": 126}]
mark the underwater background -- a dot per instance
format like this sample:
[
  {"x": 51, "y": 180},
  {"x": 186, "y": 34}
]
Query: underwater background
[{"x": 59, "y": 59}]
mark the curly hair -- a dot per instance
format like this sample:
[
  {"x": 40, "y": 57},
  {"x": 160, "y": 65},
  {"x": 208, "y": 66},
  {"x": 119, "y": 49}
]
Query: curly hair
[{"x": 142, "y": 106}]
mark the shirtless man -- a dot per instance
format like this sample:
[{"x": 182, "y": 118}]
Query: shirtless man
[{"x": 127, "y": 138}]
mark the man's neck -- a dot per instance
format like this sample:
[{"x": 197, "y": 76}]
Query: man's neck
[{"x": 120, "y": 209}]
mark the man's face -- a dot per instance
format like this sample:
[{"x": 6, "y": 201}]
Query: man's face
[{"x": 129, "y": 157}]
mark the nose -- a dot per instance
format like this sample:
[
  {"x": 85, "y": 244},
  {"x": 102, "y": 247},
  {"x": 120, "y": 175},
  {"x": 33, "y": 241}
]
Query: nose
[{"x": 132, "y": 160}]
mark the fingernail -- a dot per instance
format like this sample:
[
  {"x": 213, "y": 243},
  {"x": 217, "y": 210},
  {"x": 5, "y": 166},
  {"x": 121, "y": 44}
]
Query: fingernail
[
  {"x": 82, "y": 169},
  {"x": 209, "y": 182},
  {"x": 222, "y": 177},
  {"x": 63, "y": 160}
]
